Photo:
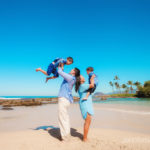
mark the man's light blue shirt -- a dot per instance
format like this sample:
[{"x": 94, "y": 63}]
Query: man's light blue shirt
[{"x": 66, "y": 86}]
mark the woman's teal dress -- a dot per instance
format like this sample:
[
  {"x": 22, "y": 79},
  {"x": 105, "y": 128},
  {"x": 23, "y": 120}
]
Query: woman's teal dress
[{"x": 86, "y": 106}]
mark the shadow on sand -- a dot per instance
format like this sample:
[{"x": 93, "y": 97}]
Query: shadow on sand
[{"x": 55, "y": 132}]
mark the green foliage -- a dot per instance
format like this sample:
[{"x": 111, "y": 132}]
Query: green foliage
[
  {"x": 145, "y": 90},
  {"x": 111, "y": 84},
  {"x": 130, "y": 83},
  {"x": 124, "y": 86},
  {"x": 116, "y": 78},
  {"x": 147, "y": 84},
  {"x": 117, "y": 85},
  {"x": 137, "y": 83},
  {"x": 123, "y": 95},
  {"x": 142, "y": 91},
  {"x": 127, "y": 90}
]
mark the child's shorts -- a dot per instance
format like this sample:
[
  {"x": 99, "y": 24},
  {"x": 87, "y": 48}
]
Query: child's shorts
[
  {"x": 92, "y": 90},
  {"x": 53, "y": 70}
]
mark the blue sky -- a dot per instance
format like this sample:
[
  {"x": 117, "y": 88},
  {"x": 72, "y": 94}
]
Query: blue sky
[{"x": 112, "y": 36}]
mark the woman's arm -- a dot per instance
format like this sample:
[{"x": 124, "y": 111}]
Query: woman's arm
[{"x": 66, "y": 76}]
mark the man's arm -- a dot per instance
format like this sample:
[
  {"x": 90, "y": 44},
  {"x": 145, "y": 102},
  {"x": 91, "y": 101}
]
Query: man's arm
[
  {"x": 66, "y": 76},
  {"x": 61, "y": 65}
]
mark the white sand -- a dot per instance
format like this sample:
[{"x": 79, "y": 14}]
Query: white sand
[
  {"x": 110, "y": 130},
  {"x": 99, "y": 139}
]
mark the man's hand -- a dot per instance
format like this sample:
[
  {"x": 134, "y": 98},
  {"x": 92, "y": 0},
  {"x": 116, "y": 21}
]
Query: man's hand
[{"x": 61, "y": 65}]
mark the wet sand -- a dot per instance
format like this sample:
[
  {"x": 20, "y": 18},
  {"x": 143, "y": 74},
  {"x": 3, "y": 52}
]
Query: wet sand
[{"x": 113, "y": 127}]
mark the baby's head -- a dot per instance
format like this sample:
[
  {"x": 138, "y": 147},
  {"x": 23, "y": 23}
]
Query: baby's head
[
  {"x": 69, "y": 61},
  {"x": 89, "y": 69}
]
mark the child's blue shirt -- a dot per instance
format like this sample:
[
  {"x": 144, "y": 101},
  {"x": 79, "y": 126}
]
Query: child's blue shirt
[
  {"x": 57, "y": 61},
  {"x": 95, "y": 79}
]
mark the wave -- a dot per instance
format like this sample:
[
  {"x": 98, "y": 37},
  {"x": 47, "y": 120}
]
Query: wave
[
  {"x": 24, "y": 97},
  {"x": 9, "y": 98},
  {"x": 127, "y": 111}
]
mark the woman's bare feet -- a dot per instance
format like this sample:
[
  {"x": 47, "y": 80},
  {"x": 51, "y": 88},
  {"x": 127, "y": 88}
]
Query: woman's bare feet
[{"x": 85, "y": 140}]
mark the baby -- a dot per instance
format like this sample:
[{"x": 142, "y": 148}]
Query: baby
[
  {"x": 52, "y": 68},
  {"x": 91, "y": 75}
]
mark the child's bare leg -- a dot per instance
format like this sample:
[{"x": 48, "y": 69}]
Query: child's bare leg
[
  {"x": 87, "y": 95},
  {"x": 44, "y": 72},
  {"x": 48, "y": 78}
]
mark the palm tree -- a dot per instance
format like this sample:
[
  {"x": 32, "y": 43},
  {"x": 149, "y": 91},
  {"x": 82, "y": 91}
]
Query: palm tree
[
  {"x": 137, "y": 84},
  {"x": 131, "y": 89},
  {"x": 112, "y": 85},
  {"x": 124, "y": 86},
  {"x": 117, "y": 85},
  {"x": 127, "y": 90},
  {"x": 131, "y": 84},
  {"x": 116, "y": 78}
]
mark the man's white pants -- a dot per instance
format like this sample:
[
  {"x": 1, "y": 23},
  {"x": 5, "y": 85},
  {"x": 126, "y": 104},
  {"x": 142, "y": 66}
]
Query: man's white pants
[{"x": 63, "y": 117}]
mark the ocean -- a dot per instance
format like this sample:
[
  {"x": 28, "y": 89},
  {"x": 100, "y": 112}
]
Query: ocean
[
  {"x": 139, "y": 106},
  {"x": 24, "y": 97},
  {"x": 126, "y": 101}
]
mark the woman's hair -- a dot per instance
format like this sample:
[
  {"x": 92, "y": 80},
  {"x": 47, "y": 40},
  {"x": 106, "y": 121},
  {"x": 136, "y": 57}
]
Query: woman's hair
[{"x": 77, "y": 76}]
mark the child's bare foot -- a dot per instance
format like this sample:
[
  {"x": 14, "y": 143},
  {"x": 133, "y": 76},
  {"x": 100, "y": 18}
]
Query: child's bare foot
[
  {"x": 46, "y": 80},
  {"x": 38, "y": 69},
  {"x": 85, "y": 98}
]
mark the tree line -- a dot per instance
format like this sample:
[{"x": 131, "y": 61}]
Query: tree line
[{"x": 130, "y": 86}]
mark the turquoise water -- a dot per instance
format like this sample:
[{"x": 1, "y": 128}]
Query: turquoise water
[
  {"x": 128, "y": 101},
  {"x": 24, "y": 97}
]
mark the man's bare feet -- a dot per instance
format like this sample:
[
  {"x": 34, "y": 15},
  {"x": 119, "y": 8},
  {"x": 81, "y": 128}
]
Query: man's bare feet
[{"x": 38, "y": 69}]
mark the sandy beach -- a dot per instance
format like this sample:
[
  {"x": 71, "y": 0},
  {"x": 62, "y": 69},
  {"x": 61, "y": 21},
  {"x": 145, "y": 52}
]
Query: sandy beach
[{"x": 113, "y": 127}]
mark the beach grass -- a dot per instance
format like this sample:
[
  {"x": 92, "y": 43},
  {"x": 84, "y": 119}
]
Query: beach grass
[{"x": 123, "y": 95}]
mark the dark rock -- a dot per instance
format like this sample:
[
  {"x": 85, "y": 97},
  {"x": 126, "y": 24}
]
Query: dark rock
[
  {"x": 30, "y": 102},
  {"x": 7, "y": 108},
  {"x": 98, "y": 94},
  {"x": 103, "y": 98}
]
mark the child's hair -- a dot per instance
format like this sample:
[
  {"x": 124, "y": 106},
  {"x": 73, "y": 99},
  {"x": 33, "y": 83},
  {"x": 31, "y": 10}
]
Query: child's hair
[
  {"x": 90, "y": 69},
  {"x": 70, "y": 59}
]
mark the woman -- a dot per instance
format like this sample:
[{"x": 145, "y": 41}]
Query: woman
[
  {"x": 66, "y": 98},
  {"x": 86, "y": 106}
]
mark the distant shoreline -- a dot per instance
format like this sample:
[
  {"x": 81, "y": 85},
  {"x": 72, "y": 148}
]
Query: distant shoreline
[
  {"x": 25, "y": 97},
  {"x": 8, "y": 103},
  {"x": 29, "y": 101},
  {"x": 117, "y": 96}
]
